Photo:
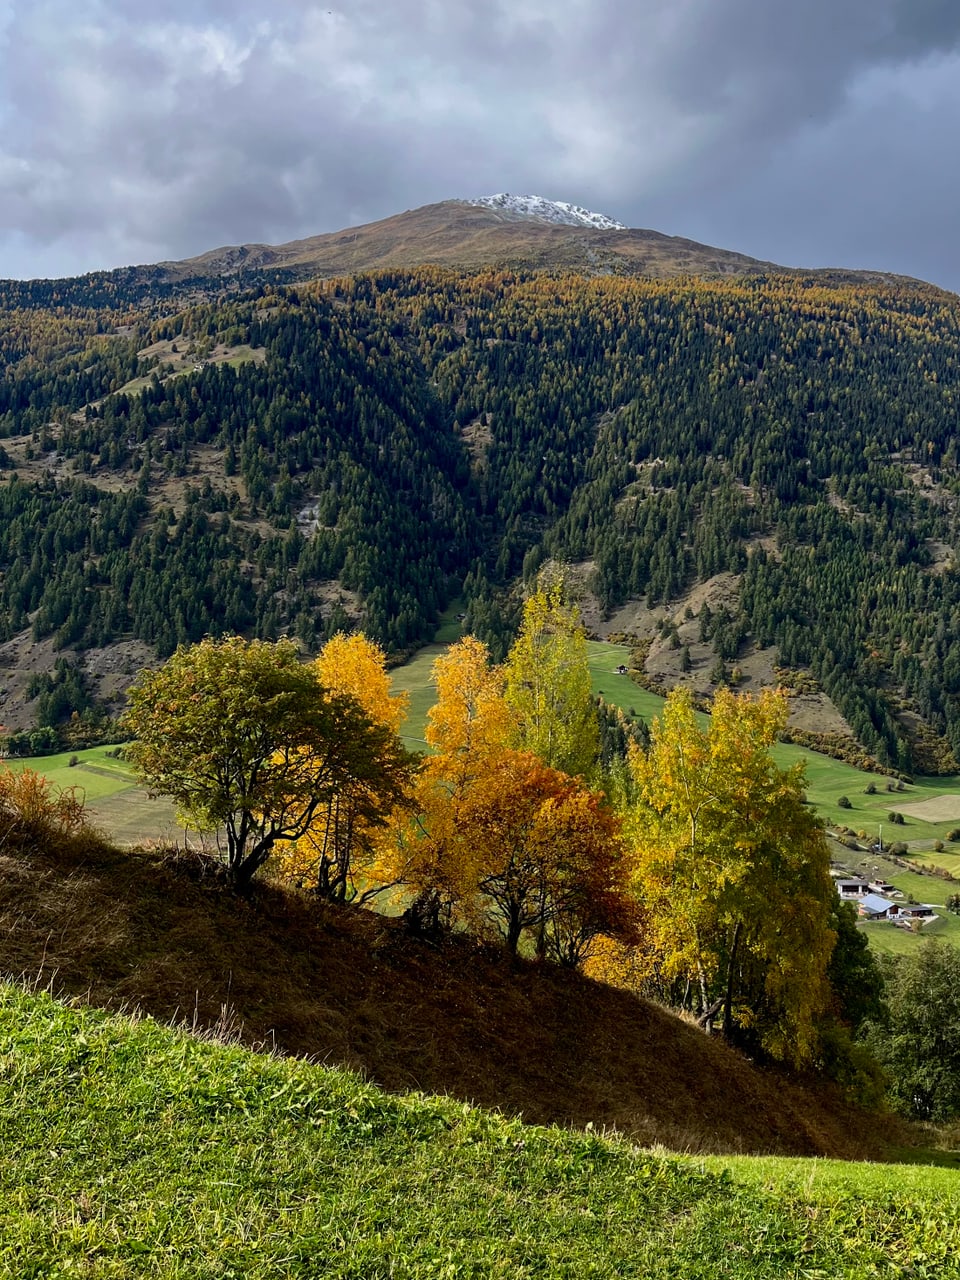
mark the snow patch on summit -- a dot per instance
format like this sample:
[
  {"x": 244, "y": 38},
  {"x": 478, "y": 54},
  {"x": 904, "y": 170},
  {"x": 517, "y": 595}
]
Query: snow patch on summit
[{"x": 556, "y": 211}]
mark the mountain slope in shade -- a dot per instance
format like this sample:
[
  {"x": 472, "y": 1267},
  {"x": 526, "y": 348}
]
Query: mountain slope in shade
[{"x": 348, "y": 987}]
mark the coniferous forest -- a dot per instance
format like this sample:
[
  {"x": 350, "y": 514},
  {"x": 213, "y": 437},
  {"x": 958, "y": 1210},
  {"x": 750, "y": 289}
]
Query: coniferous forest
[{"x": 295, "y": 457}]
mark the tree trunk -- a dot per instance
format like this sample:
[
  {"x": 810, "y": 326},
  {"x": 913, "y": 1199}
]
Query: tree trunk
[
  {"x": 514, "y": 930},
  {"x": 728, "y": 996}
]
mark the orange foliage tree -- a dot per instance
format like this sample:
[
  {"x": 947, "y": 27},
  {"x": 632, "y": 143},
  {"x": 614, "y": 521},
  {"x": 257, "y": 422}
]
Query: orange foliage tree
[
  {"x": 503, "y": 838},
  {"x": 531, "y": 850}
]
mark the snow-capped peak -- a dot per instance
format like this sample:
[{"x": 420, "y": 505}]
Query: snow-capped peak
[{"x": 558, "y": 211}]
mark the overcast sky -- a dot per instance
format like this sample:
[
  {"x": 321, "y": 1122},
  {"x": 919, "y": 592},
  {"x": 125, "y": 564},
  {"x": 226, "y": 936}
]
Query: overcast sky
[{"x": 814, "y": 133}]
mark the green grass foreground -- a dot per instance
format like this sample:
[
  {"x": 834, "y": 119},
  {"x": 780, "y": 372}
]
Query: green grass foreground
[{"x": 127, "y": 1149}]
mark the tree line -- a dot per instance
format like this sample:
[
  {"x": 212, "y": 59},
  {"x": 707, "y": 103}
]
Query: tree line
[{"x": 451, "y": 431}]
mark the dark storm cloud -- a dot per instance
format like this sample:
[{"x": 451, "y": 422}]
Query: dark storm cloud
[{"x": 134, "y": 133}]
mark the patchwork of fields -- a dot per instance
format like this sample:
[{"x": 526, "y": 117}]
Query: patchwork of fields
[{"x": 115, "y": 803}]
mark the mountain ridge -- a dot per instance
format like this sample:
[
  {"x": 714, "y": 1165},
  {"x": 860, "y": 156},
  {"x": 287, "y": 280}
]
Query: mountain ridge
[{"x": 467, "y": 235}]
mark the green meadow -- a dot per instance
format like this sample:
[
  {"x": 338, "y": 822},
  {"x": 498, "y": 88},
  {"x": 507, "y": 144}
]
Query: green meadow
[
  {"x": 115, "y": 803},
  {"x": 129, "y": 1149}
]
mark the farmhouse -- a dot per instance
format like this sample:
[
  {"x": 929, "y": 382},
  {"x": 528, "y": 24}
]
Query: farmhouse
[
  {"x": 851, "y": 888},
  {"x": 916, "y": 911},
  {"x": 874, "y": 907}
]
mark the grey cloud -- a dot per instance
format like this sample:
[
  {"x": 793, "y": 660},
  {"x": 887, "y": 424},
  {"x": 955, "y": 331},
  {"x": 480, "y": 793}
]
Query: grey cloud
[{"x": 129, "y": 137}]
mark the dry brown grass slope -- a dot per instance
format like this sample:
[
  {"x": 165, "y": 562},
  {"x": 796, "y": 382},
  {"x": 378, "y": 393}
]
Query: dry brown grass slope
[
  {"x": 454, "y": 234},
  {"x": 348, "y": 987}
]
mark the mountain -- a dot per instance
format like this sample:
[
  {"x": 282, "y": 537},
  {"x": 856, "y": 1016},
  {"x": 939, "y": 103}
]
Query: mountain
[
  {"x": 467, "y": 234},
  {"x": 523, "y": 232},
  {"x": 753, "y": 473},
  {"x": 520, "y": 232}
]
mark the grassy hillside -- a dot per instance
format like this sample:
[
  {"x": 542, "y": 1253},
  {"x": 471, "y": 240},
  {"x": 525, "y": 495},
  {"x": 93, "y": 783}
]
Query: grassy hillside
[
  {"x": 131, "y": 1150},
  {"x": 349, "y": 987}
]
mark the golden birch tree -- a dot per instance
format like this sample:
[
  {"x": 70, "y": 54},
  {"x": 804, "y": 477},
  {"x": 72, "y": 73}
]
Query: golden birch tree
[
  {"x": 733, "y": 870},
  {"x": 468, "y": 727},
  {"x": 341, "y": 855},
  {"x": 548, "y": 684}
]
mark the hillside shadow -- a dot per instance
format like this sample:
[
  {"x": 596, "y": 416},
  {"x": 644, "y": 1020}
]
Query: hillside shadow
[{"x": 347, "y": 987}]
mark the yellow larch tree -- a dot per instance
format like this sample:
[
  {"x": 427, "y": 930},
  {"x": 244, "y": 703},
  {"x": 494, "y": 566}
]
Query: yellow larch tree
[
  {"x": 733, "y": 870},
  {"x": 342, "y": 855},
  {"x": 548, "y": 684}
]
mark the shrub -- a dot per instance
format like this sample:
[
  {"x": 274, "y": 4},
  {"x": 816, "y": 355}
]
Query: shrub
[
  {"x": 870, "y": 789},
  {"x": 73, "y": 761},
  {"x": 895, "y": 817},
  {"x": 898, "y": 849},
  {"x": 938, "y": 846},
  {"x": 954, "y": 835},
  {"x": 844, "y": 803},
  {"x": 33, "y": 810}
]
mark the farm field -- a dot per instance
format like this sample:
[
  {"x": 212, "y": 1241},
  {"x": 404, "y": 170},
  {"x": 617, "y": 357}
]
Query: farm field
[
  {"x": 124, "y": 812},
  {"x": 176, "y": 1156}
]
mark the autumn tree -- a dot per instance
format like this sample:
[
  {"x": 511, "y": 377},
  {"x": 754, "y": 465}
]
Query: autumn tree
[
  {"x": 501, "y": 837},
  {"x": 548, "y": 684},
  {"x": 342, "y": 846},
  {"x": 734, "y": 872},
  {"x": 357, "y": 666},
  {"x": 533, "y": 851},
  {"x": 588, "y": 878},
  {"x": 468, "y": 728},
  {"x": 246, "y": 740}
]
